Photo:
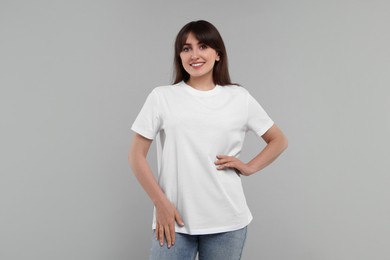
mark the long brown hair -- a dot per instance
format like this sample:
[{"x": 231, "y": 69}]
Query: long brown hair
[{"x": 205, "y": 33}]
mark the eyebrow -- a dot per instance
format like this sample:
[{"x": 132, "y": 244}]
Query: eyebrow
[{"x": 191, "y": 44}]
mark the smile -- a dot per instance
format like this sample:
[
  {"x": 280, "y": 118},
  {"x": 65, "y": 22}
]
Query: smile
[{"x": 197, "y": 65}]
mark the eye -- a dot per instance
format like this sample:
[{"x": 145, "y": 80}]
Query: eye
[
  {"x": 203, "y": 46},
  {"x": 185, "y": 49}
]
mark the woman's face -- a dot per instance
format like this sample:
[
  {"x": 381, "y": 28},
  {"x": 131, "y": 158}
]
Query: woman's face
[{"x": 197, "y": 58}]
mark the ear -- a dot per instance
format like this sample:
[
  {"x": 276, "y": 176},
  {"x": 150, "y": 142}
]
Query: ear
[{"x": 218, "y": 58}]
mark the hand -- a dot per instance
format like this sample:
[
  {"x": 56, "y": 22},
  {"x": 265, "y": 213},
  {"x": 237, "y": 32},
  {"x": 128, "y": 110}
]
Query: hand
[
  {"x": 166, "y": 216},
  {"x": 225, "y": 161}
]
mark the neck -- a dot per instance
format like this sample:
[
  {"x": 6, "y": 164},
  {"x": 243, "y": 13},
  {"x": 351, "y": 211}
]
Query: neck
[{"x": 201, "y": 83}]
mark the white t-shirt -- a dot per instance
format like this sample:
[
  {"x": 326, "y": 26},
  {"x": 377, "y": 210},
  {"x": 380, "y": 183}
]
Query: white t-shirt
[{"x": 191, "y": 128}]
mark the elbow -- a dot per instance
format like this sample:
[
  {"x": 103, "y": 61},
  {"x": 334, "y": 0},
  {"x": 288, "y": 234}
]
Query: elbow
[
  {"x": 282, "y": 142},
  {"x": 136, "y": 161},
  {"x": 132, "y": 160},
  {"x": 285, "y": 142}
]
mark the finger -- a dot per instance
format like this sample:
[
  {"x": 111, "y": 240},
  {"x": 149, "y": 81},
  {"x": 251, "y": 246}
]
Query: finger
[
  {"x": 225, "y": 165},
  {"x": 221, "y": 161},
  {"x": 220, "y": 156},
  {"x": 230, "y": 164},
  {"x": 168, "y": 236},
  {"x": 220, "y": 167},
  {"x": 161, "y": 235},
  {"x": 173, "y": 234},
  {"x": 225, "y": 158},
  {"x": 178, "y": 219}
]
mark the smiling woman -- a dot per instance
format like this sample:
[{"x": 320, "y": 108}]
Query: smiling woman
[
  {"x": 198, "y": 60},
  {"x": 199, "y": 124},
  {"x": 196, "y": 38}
]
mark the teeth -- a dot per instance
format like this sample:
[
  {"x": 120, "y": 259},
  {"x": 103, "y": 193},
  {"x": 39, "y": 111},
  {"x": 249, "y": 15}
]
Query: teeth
[{"x": 196, "y": 64}]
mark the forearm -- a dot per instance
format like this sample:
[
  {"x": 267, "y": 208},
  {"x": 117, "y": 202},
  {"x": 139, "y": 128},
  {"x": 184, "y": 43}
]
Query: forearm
[
  {"x": 145, "y": 177},
  {"x": 166, "y": 213},
  {"x": 272, "y": 150}
]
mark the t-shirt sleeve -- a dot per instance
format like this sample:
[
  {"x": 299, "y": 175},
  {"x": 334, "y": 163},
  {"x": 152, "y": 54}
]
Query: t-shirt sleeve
[
  {"x": 148, "y": 121},
  {"x": 258, "y": 120}
]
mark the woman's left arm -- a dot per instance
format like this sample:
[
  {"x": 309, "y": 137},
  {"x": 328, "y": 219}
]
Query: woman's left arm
[{"x": 276, "y": 144}]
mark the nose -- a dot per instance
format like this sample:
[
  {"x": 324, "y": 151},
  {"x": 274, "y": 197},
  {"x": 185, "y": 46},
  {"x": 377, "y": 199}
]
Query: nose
[{"x": 194, "y": 54}]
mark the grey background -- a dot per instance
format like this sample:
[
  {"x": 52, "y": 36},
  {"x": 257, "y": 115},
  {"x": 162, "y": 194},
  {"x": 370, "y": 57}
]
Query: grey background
[{"x": 74, "y": 75}]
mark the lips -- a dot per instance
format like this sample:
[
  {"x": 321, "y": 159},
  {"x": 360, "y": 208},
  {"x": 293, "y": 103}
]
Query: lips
[{"x": 197, "y": 65}]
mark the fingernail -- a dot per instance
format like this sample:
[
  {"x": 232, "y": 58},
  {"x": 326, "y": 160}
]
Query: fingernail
[{"x": 169, "y": 246}]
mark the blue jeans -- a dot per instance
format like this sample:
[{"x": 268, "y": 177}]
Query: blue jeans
[{"x": 219, "y": 246}]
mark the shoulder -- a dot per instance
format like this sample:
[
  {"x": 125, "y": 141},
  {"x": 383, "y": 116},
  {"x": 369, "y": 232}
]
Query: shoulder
[
  {"x": 236, "y": 89},
  {"x": 163, "y": 89}
]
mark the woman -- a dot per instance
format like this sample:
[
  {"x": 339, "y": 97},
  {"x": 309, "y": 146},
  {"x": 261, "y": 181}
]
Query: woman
[{"x": 199, "y": 124}]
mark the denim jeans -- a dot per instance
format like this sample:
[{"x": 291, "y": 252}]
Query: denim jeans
[{"x": 219, "y": 246}]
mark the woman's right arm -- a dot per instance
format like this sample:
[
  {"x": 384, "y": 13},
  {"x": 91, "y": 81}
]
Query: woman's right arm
[{"x": 166, "y": 213}]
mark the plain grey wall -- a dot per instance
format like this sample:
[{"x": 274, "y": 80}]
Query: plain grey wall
[{"x": 74, "y": 75}]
